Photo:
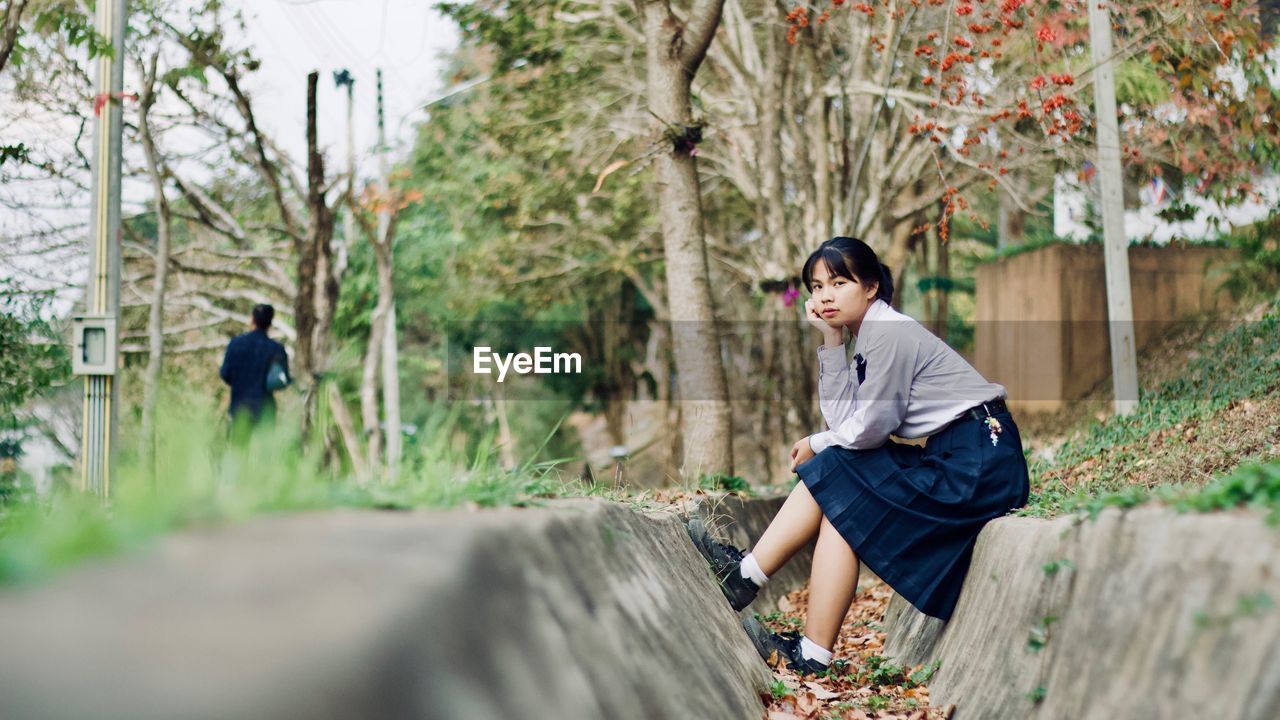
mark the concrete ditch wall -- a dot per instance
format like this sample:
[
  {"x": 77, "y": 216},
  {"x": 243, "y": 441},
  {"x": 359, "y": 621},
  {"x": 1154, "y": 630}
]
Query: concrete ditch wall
[
  {"x": 588, "y": 609},
  {"x": 1158, "y": 615},
  {"x": 740, "y": 522},
  {"x": 585, "y": 609}
]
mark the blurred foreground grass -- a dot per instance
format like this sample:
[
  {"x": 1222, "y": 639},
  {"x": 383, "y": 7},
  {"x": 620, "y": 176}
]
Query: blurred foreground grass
[{"x": 199, "y": 478}]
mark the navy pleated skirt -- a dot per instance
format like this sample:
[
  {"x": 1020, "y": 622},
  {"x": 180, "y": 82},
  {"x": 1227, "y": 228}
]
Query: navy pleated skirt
[{"x": 912, "y": 514}]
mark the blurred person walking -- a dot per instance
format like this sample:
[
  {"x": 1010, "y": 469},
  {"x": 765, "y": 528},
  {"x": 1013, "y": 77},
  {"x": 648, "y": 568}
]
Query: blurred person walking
[{"x": 255, "y": 366}]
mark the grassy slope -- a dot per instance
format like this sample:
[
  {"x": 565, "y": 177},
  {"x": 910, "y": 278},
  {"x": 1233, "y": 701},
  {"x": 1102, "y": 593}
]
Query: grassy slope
[{"x": 1203, "y": 435}]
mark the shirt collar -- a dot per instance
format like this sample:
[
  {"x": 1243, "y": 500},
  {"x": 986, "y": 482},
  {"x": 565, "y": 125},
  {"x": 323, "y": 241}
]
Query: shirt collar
[{"x": 875, "y": 312}]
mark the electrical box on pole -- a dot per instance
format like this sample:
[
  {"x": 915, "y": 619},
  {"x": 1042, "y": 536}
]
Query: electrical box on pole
[{"x": 93, "y": 341}]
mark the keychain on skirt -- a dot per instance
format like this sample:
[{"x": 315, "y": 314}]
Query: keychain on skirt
[{"x": 994, "y": 426}]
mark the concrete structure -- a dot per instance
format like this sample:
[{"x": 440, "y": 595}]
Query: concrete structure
[
  {"x": 1154, "y": 614},
  {"x": 1041, "y": 316},
  {"x": 589, "y": 609},
  {"x": 585, "y": 609}
]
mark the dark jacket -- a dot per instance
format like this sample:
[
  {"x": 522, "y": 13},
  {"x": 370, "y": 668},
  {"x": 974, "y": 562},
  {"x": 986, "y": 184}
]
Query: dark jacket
[{"x": 244, "y": 368}]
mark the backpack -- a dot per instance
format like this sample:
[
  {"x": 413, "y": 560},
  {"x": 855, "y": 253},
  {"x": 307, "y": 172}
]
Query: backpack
[{"x": 277, "y": 377}]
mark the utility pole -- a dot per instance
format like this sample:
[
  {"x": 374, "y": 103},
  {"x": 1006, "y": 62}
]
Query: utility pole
[
  {"x": 390, "y": 342},
  {"x": 95, "y": 355},
  {"x": 1124, "y": 364},
  {"x": 343, "y": 78}
]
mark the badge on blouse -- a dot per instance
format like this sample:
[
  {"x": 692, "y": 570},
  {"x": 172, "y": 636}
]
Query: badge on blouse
[
  {"x": 860, "y": 364},
  {"x": 994, "y": 426}
]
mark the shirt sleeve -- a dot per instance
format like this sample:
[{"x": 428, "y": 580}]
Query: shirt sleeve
[
  {"x": 866, "y": 417},
  {"x": 836, "y": 387},
  {"x": 225, "y": 371}
]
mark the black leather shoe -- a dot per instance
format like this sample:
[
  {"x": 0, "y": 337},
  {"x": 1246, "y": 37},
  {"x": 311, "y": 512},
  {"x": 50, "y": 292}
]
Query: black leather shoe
[
  {"x": 779, "y": 648},
  {"x": 726, "y": 563}
]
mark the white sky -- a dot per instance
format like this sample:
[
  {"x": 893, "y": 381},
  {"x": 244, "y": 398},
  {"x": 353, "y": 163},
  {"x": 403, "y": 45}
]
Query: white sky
[
  {"x": 292, "y": 37},
  {"x": 406, "y": 38}
]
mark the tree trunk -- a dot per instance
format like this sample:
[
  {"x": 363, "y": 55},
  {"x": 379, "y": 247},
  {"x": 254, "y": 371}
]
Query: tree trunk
[
  {"x": 391, "y": 372},
  {"x": 944, "y": 278},
  {"x": 369, "y": 387},
  {"x": 9, "y": 24},
  {"x": 675, "y": 49},
  {"x": 155, "y": 321},
  {"x": 304, "y": 316},
  {"x": 506, "y": 441},
  {"x": 778, "y": 265},
  {"x": 820, "y": 140},
  {"x": 1011, "y": 221},
  {"x": 347, "y": 429},
  {"x": 317, "y": 289},
  {"x": 378, "y": 327}
]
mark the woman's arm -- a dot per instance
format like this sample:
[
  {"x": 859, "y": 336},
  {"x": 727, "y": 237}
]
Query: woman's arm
[
  {"x": 877, "y": 408},
  {"x": 835, "y": 388},
  {"x": 837, "y": 391}
]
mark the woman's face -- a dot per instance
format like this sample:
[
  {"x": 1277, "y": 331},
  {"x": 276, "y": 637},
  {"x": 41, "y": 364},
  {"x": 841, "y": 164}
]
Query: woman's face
[{"x": 840, "y": 301}]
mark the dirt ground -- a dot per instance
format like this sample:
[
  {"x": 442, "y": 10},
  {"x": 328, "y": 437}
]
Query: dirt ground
[{"x": 860, "y": 687}]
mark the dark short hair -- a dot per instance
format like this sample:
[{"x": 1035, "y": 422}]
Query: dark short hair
[
  {"x": 851, "y": 258},
  {"x": 263, "y": 315}
]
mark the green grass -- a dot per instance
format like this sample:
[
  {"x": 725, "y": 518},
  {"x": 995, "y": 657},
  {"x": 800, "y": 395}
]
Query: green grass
[
  {"x": 1242, "y": 362},
  {"x": 880, "y": 671},
  {"x": 1039, "y": 635},
  {"x": 198, "y": 478},
  {"x": 724, "y": 483},
  {"x": 1247, "y": 605}
]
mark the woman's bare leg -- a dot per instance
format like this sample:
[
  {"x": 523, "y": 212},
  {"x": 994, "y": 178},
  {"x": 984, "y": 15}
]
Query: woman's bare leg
[
  {"x": 832, "y": 585},
  {"x": 791, "y": 529}
]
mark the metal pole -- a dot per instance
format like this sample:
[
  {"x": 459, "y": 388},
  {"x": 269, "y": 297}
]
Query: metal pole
[
  {"x": 1124, "y": 366},
  {"x": 390, "y": 343},
  {"x": 102, "y": 295},
  {"x": 343, "y": 78}
]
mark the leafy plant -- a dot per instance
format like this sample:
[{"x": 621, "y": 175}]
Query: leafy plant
[
  {"x": 877, "y": 702},
  {"x": 1052, "y": 567},
  {"x": 32, "y": 356},
  {"x": 1247, "y": 605},
  {"x": 727, "y": 483},
  {"x": 1039, "y": 636},
  {"x": 878, "y": 670},
  {"x": 924, "y": 674},
  {"x": 1256, "y": 269}
]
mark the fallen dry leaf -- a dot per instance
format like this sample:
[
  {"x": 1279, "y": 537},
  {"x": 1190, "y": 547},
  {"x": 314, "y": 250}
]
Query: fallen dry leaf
[
  {"x": 821, "y": 692},
  {"x": 807, "y": 704}
]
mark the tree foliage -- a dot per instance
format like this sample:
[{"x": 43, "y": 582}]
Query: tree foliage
[{"x": 33, "y": 357}]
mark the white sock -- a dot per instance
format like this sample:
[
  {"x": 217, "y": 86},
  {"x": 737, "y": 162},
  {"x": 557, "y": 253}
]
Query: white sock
[
  {"x": 811, "y": 650},
  {"x": 751, "y": 571}
]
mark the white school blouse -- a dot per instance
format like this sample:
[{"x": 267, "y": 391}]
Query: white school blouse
[{"x": 904, "y": 382}]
